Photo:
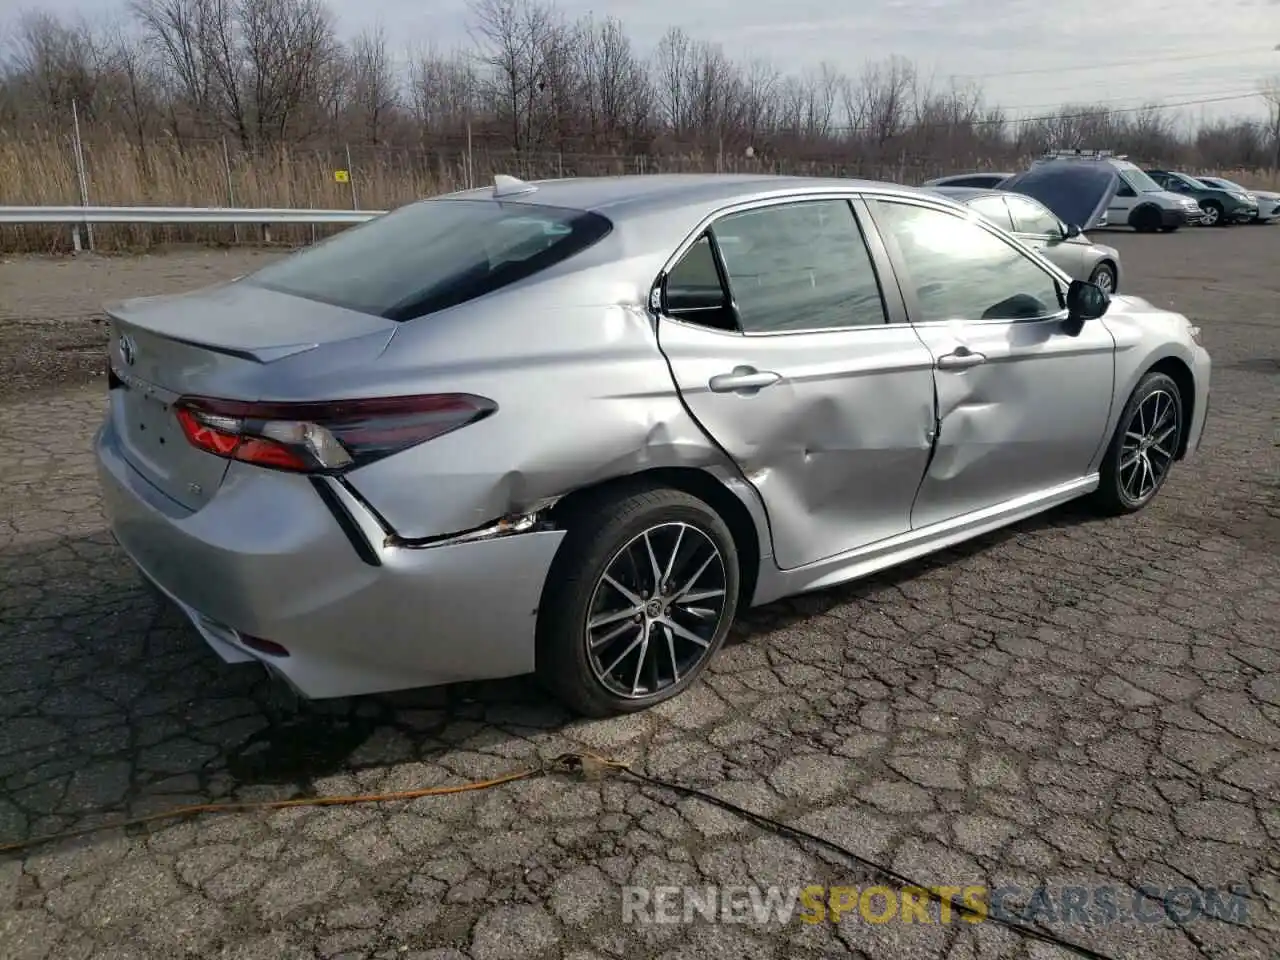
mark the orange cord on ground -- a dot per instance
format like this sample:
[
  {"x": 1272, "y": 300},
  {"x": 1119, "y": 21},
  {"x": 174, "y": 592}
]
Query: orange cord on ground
[{"x": 585, "y": 763}]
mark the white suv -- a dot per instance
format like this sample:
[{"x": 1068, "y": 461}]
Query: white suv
[{"x": 1139, "y": 201}]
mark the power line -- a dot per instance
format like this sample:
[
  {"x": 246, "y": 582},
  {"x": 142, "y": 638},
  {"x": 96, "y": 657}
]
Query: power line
[
  {"x": 1137, "y": 102},
  {"x": 1082, "y": 115},
  {"x": 1144, "y": 62},
  {"x": 1153, "y": 106},
  {"x": 1173, "y": 85}
]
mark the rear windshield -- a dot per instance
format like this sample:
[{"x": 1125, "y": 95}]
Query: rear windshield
[{"x": 431, "y": 255}]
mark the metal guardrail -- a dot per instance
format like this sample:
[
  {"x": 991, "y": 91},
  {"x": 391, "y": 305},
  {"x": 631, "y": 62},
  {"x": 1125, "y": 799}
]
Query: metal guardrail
[{"x": 179, "y": 215}]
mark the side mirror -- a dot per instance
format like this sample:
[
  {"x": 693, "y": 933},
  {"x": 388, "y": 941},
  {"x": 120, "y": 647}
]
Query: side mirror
[
  {"x": 1085, "y": 301},
  {"x": 1070, "y": 232}
]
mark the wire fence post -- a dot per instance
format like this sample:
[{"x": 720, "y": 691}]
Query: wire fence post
[
  {"x": 351, "y": 179},
  {"x": 231, "y": 190},
  {"x": 80, "y": 172},
  {"x": 470, "y": 165}
]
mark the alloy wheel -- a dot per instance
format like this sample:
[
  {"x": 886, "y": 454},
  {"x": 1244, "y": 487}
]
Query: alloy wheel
[
  {"x": 1150, "y": 440},
  {"x": 1102, "y": 278},
  {"x": 1211, "y": 216},
  {"x": 655, "y": 610}
]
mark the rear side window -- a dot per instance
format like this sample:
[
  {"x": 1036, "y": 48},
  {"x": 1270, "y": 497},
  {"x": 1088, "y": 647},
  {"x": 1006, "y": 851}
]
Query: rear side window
[
  {"x": 799, "y": 266},
  {"x": 792, "y": 267},
  {"x": 432, "y": 255},
  {"x": 1032, "y": 218},
  {"x": 994, "y": 209}
]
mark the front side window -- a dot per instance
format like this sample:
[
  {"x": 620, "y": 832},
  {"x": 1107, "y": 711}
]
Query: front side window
[
  {"x": 1033, "y": 218},
  {"x": 1139, "y": 181},
  {"x": 431, "y": 255},
  {"x": 960, "y": 271},
  {"x": 799, "y": 266}
]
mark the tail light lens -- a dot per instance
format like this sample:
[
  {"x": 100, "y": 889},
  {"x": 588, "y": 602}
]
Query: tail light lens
[{"x": 324, "y": 437}]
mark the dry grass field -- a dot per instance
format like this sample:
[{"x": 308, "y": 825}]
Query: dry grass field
[{"x": 41, "y": 170}]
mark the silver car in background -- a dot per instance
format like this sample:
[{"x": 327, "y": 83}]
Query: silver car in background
[
  {"x": 574, "y": 427},
  {"x": 1039, "y": 227},
  {"x": 1268, "y": 200},
  {"x": 986, "y": 180}
]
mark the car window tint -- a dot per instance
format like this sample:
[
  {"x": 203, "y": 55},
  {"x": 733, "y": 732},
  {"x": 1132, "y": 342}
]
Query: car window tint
[
  {"x": 433, "y": 254},
  {"x": 693, "y": 291},
  {"x": 799, "y": 266},
  {"x": 1031, "y": 217},
  {"x": 993, "y": 209},
  {"x": 960, "y": 271}
]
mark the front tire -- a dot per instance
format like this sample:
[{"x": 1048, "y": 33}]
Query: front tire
[
  {"x": 640, "y": 597},
  {"x": 1143, "y": 448},
  {"x": 1104, "y": 276},
  {"x": 1213, "y": 214}
]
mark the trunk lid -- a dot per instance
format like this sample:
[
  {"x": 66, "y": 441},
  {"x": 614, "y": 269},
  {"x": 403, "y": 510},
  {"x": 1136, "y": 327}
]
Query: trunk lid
[{"x": 236, "y": 341}]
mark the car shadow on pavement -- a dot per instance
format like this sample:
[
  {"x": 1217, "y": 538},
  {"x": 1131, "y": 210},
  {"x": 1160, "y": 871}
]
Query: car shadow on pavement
[{"x": 111, "y": 705}]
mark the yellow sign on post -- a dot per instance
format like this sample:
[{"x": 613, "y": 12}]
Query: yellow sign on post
[{"x": 342, "y": 176}]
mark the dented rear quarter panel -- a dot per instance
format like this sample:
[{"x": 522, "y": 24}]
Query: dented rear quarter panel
[{"x": 583, "y": 393}]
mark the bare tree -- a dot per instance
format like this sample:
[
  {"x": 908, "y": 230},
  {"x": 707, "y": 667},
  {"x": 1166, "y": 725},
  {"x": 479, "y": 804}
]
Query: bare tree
[
  {"x": 884, "y": 97},
  {"x": 60, "y": 62},
  {"x": 513, "y": 36},
  {"x": 373, "y": 84},
  {"x": 673, "y": 65},
  {"x": 1271, "y": 94}
]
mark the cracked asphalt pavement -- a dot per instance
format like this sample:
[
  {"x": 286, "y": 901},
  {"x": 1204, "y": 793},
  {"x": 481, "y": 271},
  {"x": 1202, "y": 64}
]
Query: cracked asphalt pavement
[{"x": 1069, "y": 702}]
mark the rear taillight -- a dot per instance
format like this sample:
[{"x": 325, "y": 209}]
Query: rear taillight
[{"x": 323, "y": 437}]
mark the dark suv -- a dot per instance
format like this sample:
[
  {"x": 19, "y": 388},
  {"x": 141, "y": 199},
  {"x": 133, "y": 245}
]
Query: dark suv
[{"x": 1220, "y": 207}]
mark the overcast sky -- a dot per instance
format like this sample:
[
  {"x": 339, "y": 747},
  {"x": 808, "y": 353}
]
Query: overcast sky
[{"x": 1122, "y": 53}]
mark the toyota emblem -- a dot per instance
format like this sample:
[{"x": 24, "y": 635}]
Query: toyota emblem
[{"x": 128, "y": 349}]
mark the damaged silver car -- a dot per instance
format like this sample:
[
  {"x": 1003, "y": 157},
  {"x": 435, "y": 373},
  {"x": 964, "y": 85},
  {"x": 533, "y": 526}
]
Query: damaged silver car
[{"x": 574, "y": 427}]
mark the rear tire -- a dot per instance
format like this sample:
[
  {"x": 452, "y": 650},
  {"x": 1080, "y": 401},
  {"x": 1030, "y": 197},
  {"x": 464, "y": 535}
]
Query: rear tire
[
  {"x": 657, "y": 571},
  {"x": 1142, "y": 450}
]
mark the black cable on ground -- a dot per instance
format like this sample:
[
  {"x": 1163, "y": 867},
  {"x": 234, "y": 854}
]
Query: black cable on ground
[{"x": 590, "y": 767}]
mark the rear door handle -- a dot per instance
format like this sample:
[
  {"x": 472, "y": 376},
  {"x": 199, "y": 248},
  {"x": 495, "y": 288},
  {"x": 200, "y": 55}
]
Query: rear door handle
[
  {"x": 961, "y": 359},
  {"x": 743, "y": 380}
]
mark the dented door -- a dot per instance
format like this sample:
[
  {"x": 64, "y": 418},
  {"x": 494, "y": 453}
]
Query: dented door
[
  {"x": 1022, "y": 404},
  {"x": 825, "y": 406}
]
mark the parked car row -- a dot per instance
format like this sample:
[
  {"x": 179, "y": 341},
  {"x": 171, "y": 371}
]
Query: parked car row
[{"x": 1144, "y": 199}]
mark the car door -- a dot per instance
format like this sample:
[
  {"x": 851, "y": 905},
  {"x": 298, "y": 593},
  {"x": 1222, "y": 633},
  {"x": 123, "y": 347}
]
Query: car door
[
  {"x": 1121, "y": 204},
  {"x": 778, "y": 334},
  {"x": 1039, "y": 228},
  {"x": 1022, "y": 405}
]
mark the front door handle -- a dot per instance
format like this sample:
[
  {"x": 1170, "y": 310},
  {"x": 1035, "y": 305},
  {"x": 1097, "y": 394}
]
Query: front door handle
[
  {"x": 961, "y": 359},
  {"x": 743, "y": 380}
]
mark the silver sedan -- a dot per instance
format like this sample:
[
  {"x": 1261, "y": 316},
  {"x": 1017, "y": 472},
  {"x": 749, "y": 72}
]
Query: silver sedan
[
  {"x": 574, "y": 427},
  {"x": 1036, "y": 225}
]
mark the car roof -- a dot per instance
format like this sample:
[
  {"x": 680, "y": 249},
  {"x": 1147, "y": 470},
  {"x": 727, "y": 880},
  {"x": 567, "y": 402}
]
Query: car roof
[{"x": 645, "y": 194}]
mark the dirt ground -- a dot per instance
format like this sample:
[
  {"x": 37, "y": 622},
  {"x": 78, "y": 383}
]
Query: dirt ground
[
  {"x": 51, "y": 334},
  {"x": 1071, "y": 704}
]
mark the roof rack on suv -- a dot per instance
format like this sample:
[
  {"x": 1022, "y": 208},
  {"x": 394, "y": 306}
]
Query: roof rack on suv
[{"x": 1080, "y": 154}]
